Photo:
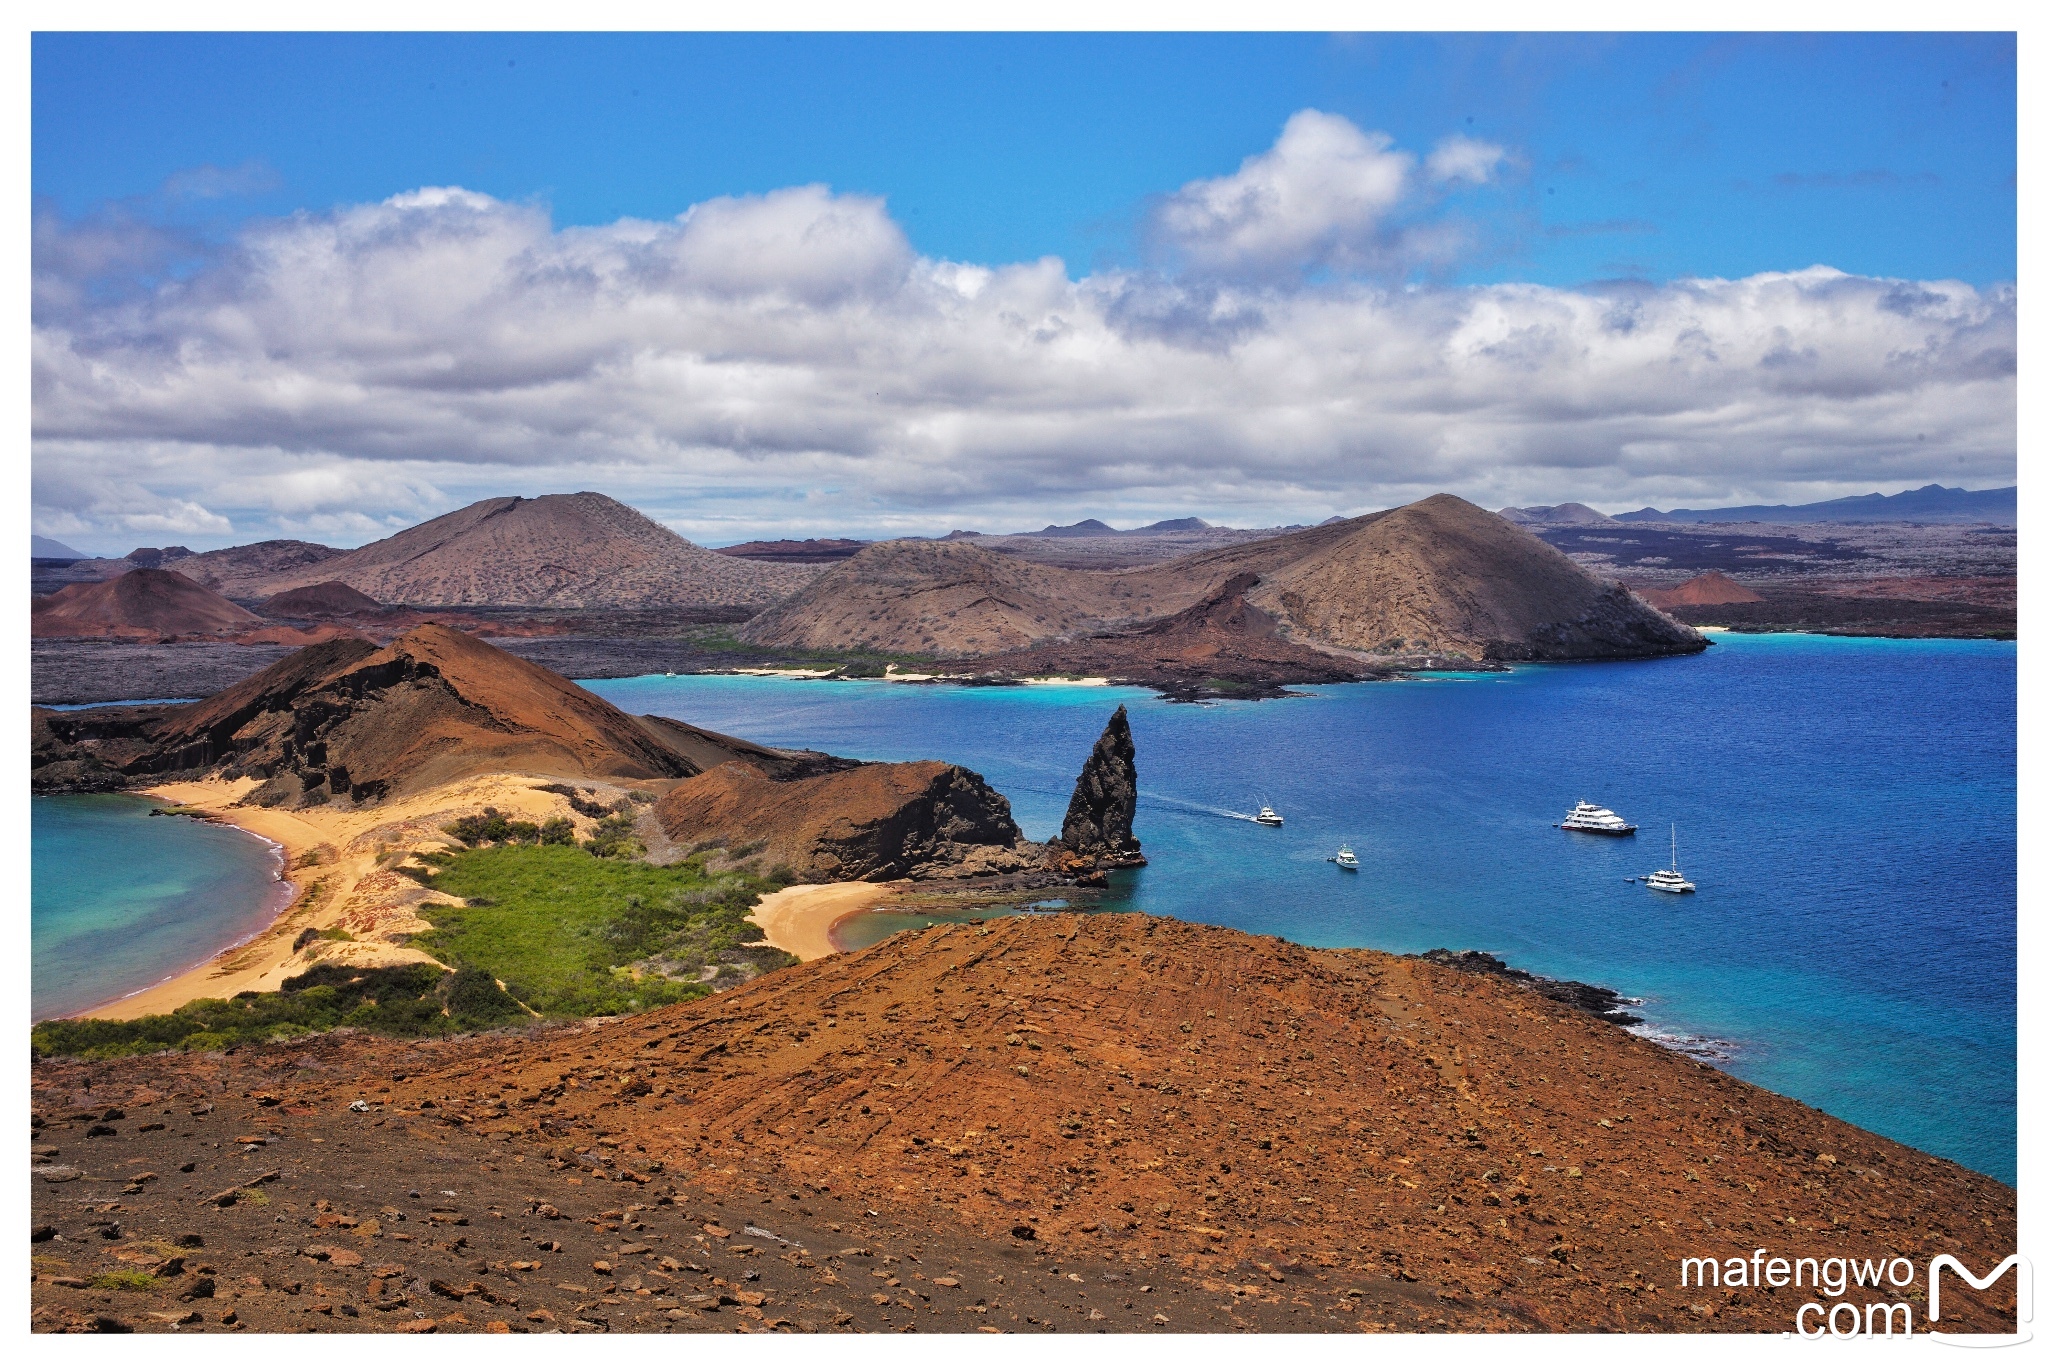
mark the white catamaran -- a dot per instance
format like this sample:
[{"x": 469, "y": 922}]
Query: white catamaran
[{"x": 1669, "y": 878}]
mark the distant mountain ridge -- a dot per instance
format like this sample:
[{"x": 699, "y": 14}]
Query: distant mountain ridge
[
  {"x": 1933, "y": 502},
  {"x": 1564, "y": 514},
  {"x": 1440, "y": 576},
  {"x": 565, "y": 550}
]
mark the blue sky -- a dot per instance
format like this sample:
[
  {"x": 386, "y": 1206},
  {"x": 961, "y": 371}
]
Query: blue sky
[
  {"x": 325, "y": 286},
  {"x": 1644, "y": 155}
]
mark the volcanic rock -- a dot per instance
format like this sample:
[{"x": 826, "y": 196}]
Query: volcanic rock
[
  {"x": 1098, "y": 823},
  {"x": 321, "y": 599},
  {"x": 874, "y": 822},
  {"x": 563, "y": 550},
  {"x": 142, "y": 604},
  {"x": 1711, "y": 589}
]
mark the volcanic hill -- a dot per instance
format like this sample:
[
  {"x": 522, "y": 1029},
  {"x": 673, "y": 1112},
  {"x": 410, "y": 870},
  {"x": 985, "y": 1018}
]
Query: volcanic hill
[
  {"x": 580, "y": 550},
  {"x": 347, "y": 719},
  {"x": 142, "y": 604},
  {"x": 1222, "y": 645},
  {"x": 1056, "y": 1122},
  {"x": 252, "y": 571},
  {"x": 320, "y": 599},
  {"x": 1711, "y": 589},
  {"x": 1438, "y": 577}
]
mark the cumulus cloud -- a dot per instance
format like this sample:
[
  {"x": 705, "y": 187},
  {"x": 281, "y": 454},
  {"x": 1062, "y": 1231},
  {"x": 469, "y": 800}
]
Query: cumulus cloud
[
  {"x": 1316, "y": 198},
  {"x": 787, "y": 363},
  {"x": 1460, "y": 158}
]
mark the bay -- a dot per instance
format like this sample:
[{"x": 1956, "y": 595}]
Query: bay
[
  {"x": 120, "y": 899},
  {"x": 1847, "y": 808}
]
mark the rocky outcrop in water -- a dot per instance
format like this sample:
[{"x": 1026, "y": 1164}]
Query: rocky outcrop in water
[{"x": 1098, "y": 824}]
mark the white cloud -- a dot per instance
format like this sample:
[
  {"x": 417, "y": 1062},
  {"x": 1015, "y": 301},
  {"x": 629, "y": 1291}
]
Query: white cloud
[
  {"x": 1316, "y": 198},
  {"x": 785, "y": 363},
  {"x": 1458, "y": 158}
]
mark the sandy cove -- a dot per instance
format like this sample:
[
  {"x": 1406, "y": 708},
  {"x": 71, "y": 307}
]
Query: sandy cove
[
  {"x": 799, "y": 919},
  {"x": 342, "y": 864}
]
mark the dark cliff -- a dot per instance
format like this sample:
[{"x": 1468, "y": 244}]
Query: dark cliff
[{"x": 1098, "y": 823}]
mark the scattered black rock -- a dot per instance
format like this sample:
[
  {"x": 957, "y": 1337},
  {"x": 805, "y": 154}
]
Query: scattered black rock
[{"x": 1595, "y": 1000}]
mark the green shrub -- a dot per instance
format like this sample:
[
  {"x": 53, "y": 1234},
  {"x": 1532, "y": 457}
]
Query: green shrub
[
  {"x": 558, "y": 831},
  {"x": 407, "y": 1001}
]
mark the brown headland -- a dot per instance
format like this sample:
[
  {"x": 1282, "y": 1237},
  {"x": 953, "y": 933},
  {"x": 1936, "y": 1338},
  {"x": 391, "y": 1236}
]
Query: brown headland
[{"x": 1091, "y": 1123}]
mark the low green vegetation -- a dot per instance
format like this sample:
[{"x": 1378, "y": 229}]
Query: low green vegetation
[
  {"x": 410, "y": 1001},
  {"x": 571, "y": 935}
]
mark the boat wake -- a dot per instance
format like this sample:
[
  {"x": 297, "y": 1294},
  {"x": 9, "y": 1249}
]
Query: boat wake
[{"x": 1192, "y": 807}]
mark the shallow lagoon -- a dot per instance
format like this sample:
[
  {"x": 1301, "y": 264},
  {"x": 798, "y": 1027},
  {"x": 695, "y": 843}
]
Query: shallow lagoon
[
  {"x": 120, "y": 899},
  {"x": 1847, "y": 808}
]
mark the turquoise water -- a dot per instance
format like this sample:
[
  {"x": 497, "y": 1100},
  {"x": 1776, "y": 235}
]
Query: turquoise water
[
  {"x": 1847, "y": 808},
  {"x": 120, "y": 899}
]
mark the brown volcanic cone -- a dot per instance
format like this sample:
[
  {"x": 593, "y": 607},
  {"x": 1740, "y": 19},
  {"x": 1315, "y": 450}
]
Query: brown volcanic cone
[
  {"x": 142, "y": 604},
  {"x": 345, "y": 718},
  {"x": 1365, "y": 1136},
  {"x": 1440, "y": 576},
  {"x": 562, "y": 550},
  {"x": 1445, "y": 576},
  {"x": 321, "y": 599},
  {"x": 1711, "y": 589},
  {"x": 876, "y": 821}
]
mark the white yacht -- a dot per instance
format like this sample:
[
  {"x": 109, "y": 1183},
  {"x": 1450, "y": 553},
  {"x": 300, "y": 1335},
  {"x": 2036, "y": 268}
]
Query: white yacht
[
  {"x": 1669, "y": 878},
  {"x": 1346, "y": 859},
  {"x": 1268, "y": 816},
  {"x": 1591, "y": 819}
]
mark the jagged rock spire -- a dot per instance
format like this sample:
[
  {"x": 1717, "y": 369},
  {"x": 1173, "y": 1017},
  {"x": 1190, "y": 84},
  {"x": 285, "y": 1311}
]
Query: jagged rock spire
[{"x": 1098, "y": 823}]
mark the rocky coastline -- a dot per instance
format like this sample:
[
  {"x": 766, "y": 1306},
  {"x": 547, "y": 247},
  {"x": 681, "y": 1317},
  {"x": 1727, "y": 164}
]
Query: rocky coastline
[{"x": 1599, "y": 1001}]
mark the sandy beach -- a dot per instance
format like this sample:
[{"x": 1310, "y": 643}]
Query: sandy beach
[
  {"x": 341, "y": 863},
  {"x": 799, "y": 919}
]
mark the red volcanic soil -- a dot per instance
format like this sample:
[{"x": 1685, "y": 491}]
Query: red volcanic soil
[
  {"x": 1107, "y": 1122},
  {"x": 1711, "y": 589},
  {"x": 143, "y": 604}
]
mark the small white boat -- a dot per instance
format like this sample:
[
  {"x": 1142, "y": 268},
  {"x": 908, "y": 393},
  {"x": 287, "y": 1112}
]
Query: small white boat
[
  {"x": 1588, "y": 818},
  {"x": 1669, "y": 878},
  {"x": 1346, "y": 859},
  {"x": 1268, "y": 816}
]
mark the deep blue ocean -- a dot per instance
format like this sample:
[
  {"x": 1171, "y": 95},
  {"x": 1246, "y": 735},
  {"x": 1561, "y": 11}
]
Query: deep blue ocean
[
  {"x": 1847, "y": 808},
  {"x": 120, "y": 899}
]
